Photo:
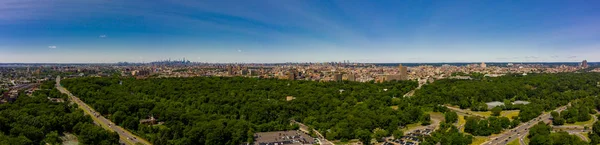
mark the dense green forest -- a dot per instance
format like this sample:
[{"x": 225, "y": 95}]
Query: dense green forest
[
  {"x": 551, "y": 90},
  {"x": 485, "y": 127},
  {"x": 544, "y": 91},
  {"x": 448, "y": 134},
  {"x": 36, "y": 120},
  {"x": 224, "y": 110}
]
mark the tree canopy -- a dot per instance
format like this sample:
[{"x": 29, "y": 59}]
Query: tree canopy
[{"x": 37, "y": 120}]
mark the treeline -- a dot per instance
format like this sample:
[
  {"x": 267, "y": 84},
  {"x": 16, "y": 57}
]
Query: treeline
[
  {"x": 579, "y": 111},
  {"x": 447, "y": 134},
  {"x": 551, "y": 89},
  {"x": 36, "y": 120},
  {"x": 224, "y": 110},
  {"x": 540, "y": 134},
  {"x": 492, "y": 125}
]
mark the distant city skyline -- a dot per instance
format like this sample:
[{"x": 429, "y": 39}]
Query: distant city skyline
[{"x": 271, "y": 31}]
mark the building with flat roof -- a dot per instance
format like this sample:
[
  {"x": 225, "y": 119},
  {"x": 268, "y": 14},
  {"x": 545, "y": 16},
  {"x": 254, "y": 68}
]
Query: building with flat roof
[
  {"x": 494, "y": 104},
  {"x": 520, "y": 103}
]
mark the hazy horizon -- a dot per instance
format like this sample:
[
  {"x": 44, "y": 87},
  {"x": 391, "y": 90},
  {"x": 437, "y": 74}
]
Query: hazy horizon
[{"x": 270, "y": 31}]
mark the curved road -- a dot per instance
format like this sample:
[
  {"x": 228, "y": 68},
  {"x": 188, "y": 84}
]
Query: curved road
[
  {"x": 125, "y": 136},
  {"x": 521, "y": 130},
  {"x": 464, "y": 112}
]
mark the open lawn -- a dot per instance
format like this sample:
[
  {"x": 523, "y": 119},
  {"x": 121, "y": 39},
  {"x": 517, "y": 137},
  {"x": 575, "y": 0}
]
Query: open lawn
[
  {"x": 509, "y": 113},
  {"x": 486, "y": 113},
  {"x": 514, "y": 142},
  {"x": 354, "y": 141},
  {"x": 585, "y": 123},
  {"x": 69, "y": 139},
  {"x": 437, "y": 116},
  {"x": 477, "y": 140},
  {"x": 461, "y": 122},
  {"x": 586, "y": 136},
  {"x": 411, "y": 126}
]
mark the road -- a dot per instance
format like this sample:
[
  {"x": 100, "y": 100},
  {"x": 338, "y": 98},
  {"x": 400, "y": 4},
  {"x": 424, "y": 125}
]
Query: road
[
  {"x": 125, "y": 136},
  {"x": 522, "y": 139},
  {"x": 521, "y": 130},
  {"x": 305, "y": 129},
  {"x": 464, "y": 112}
]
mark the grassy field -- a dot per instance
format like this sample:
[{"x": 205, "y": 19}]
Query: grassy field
[
  {"x": 486, "y": 113},
  {"x": 479, "y": 140},
  {"x": 69, "y": 139},
  {"x": 347, "y": 142},
  {"x": 586, "y": 136},
  {"x": 461, "y": 121},
  {"x": 411, "y": 126},
  {"x": 585, "y": 123},
  {"x": 514, "y": 142},
  {"x": 509, "y": 114},
  {"x": 437, "y": 116}
]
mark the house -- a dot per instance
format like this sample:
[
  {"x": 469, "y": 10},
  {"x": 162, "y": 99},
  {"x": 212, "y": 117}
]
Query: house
[
  {"x": 289, "y": 98},
  {"x": 150, "y": 121}
]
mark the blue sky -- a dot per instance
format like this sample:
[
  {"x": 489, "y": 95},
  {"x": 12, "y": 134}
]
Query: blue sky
[{"x": 299, "y": 30}]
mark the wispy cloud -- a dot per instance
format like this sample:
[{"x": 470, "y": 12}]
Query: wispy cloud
[
  {"x": 52, "y": 47},
  {"x": 102, "y": 36}
]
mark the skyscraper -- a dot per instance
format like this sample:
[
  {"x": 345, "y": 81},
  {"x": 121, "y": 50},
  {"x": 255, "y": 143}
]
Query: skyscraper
[
  {"x": 291, "y": 75},
  {"x": 483, "y": 65},
  {"x": 584, "y": 64},
  {"x": 230, "y": 70},
  {"x": 337, "y": 77},
  {"x": 351, "y": 77},
  {"x": 403, "y": 72}
]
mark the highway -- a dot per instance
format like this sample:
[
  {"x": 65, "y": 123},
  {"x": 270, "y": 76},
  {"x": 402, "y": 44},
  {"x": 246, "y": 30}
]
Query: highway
[
  {"x": 124, "y": 135},
  {"x": 520, "y": 131}
]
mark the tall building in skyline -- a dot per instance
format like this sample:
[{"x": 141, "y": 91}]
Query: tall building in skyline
[
  {"x": 337, "y": 77},
  {"x": 351, "y": 77},
  {"x": 230, "y": 70},
  {"x": 403, "y": 72},
  {"x": 483, "y": 65},
  {"x": 584, "y": 64},
  {"x": 291, "y": 75}
]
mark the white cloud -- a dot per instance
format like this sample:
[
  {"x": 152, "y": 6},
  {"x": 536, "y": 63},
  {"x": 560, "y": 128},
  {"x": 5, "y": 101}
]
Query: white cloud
[
  {"x": 239, "y": 50},
  {"x": 102, "y": 36},
  {"x": 52, "y": 47}
]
